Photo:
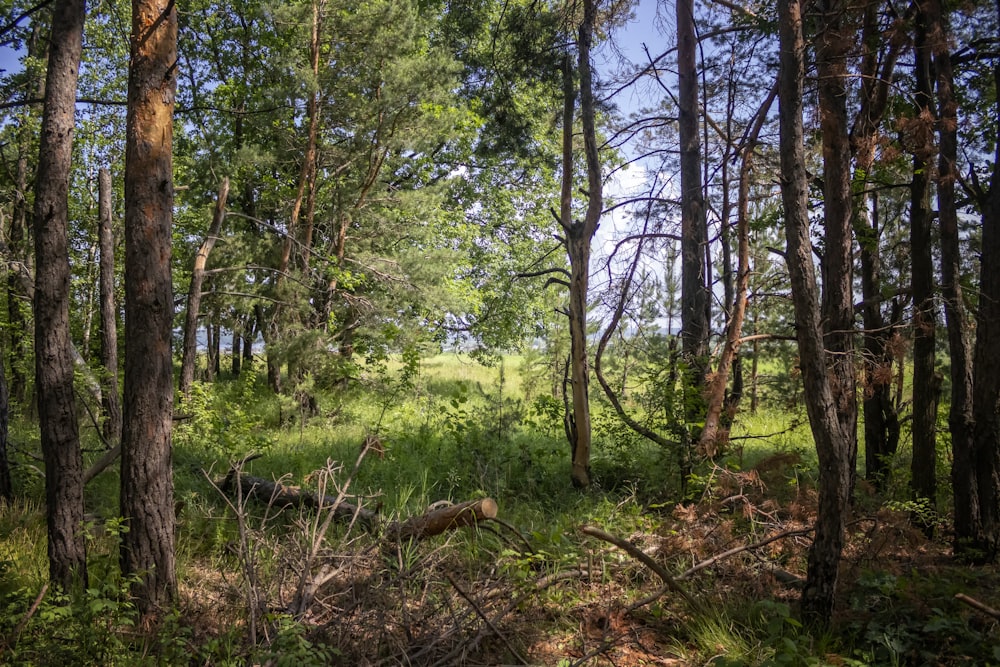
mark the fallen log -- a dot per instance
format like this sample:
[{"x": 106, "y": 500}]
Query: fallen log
[
  {"x": 433, "y": 522},
  {"x": 437, "y": 521},
  {"x": 281, "y": 495}
]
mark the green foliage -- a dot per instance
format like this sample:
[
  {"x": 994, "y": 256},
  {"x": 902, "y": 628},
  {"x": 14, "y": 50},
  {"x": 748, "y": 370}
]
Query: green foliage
[
  {"x": 82, "y": 627},
  {"x": 220, "y": 423},
  {"x": 914, "y": 619},
  {"x": 291, "y": 646}
]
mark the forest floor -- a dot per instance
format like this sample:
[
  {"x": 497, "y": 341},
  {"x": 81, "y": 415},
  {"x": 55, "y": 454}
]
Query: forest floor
[{"x": 710, "y": 575}]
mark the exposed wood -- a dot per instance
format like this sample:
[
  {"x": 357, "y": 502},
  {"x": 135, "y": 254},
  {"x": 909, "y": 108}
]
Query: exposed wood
[
  {"x": 443, "y": 519},
  {"x": 637, "y": 553},
  {"x": 977, "y": 605},
  {"x": 431, "y": 523}
]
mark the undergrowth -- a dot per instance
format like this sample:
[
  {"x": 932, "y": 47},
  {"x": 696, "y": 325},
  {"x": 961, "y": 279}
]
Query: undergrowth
[{"x": 265, "y": 584}]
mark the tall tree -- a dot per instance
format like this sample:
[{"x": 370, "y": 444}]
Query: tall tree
[
  {"x": 6, "y": 484},
  {"x": 833, "y": 45},
  {"x": 879, "y": 53},
  {"x": 823, "y": 401},
  {"x": 19, "y": 290},
  {"x": 926, "y": 383},
  {"x": 580, "y": 235},
  {"x": 53, "y": 352},
  {"x": 695, "y": 303},
  {"x": 194, "y": 292},
  {"x": 147, "y": 549},
  {"x": 960, "y": 425},
  {"x": 986, "y": 360},
  {"x": 109, "y": 312}
]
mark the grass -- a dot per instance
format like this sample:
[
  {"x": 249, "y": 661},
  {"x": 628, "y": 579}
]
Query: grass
[{"x": 455, "y": 431}]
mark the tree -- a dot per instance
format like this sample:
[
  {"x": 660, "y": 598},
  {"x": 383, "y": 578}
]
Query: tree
[
  {"x": 109, "y": 313},
  {"x": 926, "y": 382},
  {"x": 19, "y": 290},
  {"x": 695, "y": 303},
  {"x": 6, "y": 485},
  {"x": 147, "y": 549},
  {"x": 986, "y": 360},
  {"x": 194, "y": 291},
  {"x": 960, "y": 424},
  {"x": 53, "y": 352},
  {"x": 833, "y": 444},
  {"x": 878, "y": 62},
  {"x": 579, "y": 236}
]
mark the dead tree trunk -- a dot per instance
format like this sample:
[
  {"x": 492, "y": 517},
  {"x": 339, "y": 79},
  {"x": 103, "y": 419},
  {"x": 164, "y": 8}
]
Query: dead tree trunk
[
  {"x": 109, "y": 313},
  {"x": 194, "y": 290}
]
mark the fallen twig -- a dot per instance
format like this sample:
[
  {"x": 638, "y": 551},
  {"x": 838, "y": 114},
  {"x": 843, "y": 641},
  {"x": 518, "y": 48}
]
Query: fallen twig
[
  {"x": 31, "y": 611},
  {"x": 486, "y": 619},
  {"x": 746, "y": 547},
  {"x": 977, "y": 605},
  {"x": 643, "y": 558}
]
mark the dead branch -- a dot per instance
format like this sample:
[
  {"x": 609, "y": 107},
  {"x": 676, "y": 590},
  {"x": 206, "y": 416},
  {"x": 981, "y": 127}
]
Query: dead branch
[
  {"x": 645, "y": 559},
  {"x": 279, "y": 494},
  {"x": 442, "y": 519},
  {"x": 486, "y": 619},
  {"x": 746, "y": 547},
  {"x": 977, "y": 605},
  {"x": 31, "y": 611}
]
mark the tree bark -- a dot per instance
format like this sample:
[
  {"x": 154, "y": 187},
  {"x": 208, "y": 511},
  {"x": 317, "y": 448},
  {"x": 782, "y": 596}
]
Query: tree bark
[
  {"x": 960, "y": 423},
  {"x": 53, "y": 350},
  {"x": 985, "y": 413},
  {"x": 926, "y": 383},
  {"x": 695, "y": 302},
  {"x": 579, "y": 236},
  {"x": 6, "y": 485},
  {"x": 880, "y": 417},
  {"x": 707, "y": 443},
  {"x": 20, "y": 293},
  {"x": 837, "y": 304},
  {"x": 237, "y": 358},
  {"x": 822, "y": 400},
  {"x": 109, "y": 313},
  {"x": 147, "y": 550},
  {"x": 194, "y": 289}
]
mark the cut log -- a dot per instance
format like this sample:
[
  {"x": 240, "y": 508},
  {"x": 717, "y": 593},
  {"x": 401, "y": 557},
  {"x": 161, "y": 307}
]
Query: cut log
[
  {"x": 438, "y": 521},
  {"x": 433, "y": 522},
  {"x": 279, "y": 495}
]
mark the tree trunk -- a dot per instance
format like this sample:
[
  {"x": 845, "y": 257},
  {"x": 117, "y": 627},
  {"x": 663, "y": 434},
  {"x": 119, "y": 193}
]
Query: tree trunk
[
  {"x": 6, "y": 485},
  {"x": 53, "y": 352},
  {"x": 88, "y": 313},
  {"x": 926, "y": 383},
  {"x": 147, "y": 550},
  {"x": 237, "y": 359},
  {"x": 579, "y": 236},
  {"x": 194, "y": 290},
  {"x": 881, "y": 419},
  {"x": 249, "y": 336},
  {"x": 109, "y": 313},
  {"x": 734, "y": 330},
  {"x": 986, "y": 432},
  {"x": 833, "y": 445},
  {"x": 837, "y": 304},
  {"x": 18, "y": 298},
  {"x": 695, "y": 303},
  {"x": 963, "y": 475}
]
